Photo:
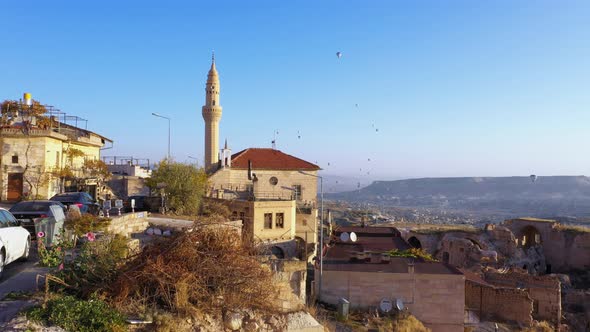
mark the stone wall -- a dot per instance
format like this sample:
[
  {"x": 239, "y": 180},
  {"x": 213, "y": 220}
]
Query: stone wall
[
  {"x": 504, "y": 304},
  {"x": 290, "y": 276},
  {"x": 129, "y": 223},
  {"x": 437, "y": 300},
  {"x": 545, "y": 291}
]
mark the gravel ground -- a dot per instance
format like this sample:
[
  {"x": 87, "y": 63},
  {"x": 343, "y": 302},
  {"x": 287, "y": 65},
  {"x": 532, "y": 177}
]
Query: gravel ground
[{"x": 22, "y": 324}]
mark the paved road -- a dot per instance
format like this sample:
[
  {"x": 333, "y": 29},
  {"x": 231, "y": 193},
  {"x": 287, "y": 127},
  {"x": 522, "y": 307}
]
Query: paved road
[{"x": 19, "y": 277}]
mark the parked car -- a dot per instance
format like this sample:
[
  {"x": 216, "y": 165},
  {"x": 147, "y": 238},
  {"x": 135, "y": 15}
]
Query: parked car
[
  {"x": 27, "y": 212},
  {"x": 82, "y": 200},
  {"x": 15, "y": 241}
]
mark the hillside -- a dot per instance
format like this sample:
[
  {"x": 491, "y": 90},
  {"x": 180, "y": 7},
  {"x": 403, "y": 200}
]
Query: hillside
[{"x": 547, "y": 196}]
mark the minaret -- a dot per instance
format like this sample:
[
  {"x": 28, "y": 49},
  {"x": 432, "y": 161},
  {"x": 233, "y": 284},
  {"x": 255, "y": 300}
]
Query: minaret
[{"x": 212, "y": 115}]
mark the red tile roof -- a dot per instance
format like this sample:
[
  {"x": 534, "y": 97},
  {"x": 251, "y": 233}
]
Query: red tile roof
[{"x": 264, "y": 158}]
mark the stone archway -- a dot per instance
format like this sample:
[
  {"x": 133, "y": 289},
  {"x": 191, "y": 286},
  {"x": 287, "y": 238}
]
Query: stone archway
[
  {"x": 414, "y": 242},
  {"x": 278, "y": 252},
  {"x": 529, "y": 236}
]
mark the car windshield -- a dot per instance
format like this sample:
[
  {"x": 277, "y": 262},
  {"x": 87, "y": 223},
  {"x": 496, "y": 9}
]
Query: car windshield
[
  {"x": 30, "y": 207},
  {"x": 66, "y": 197}
]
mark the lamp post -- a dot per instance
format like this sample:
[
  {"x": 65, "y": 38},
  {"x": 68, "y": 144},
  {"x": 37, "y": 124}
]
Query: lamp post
[
  {"x": 167, "y": 118},
  {"x": 321, "y": 231},
  {"x": 196, "y": 160}
]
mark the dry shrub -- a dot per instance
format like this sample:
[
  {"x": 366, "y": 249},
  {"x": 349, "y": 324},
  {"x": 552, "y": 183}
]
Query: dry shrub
[
  {"x": 540, "y": 327},
  {"x": 215, "y": 208},
  {"x": 205, "y": 269},
  {"x": 408, "y": 323}
]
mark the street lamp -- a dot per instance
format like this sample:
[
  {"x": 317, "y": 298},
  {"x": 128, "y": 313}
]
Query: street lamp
[
  {"x": 196, "y": 162},
  {"x": 167, "y": 118},
  {"x": 321, "y": 230}
]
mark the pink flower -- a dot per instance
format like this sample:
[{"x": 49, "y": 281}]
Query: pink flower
[
  {"x": 90, "y": 236},
  {"x": 40, "y": 234},
  {"x": 61, "y": 266}
]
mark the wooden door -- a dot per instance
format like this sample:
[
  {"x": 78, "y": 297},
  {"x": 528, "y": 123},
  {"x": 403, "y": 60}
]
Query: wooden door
[{"x": 15, "y": 187}]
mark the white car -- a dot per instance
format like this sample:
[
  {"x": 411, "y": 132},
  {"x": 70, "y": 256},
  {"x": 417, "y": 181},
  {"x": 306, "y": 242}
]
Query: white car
[{"x": 14, "y": 240}]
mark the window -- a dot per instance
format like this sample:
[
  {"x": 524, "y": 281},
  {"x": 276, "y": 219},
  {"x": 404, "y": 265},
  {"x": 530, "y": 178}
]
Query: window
[
  {"x": 57, "y": 160},
  {"x": 242, "y": 216},
  {"x": 297, "y": 191},
  {"x": 15, "y": 159},
  {"x": 280, "y": 220},
  {"x": 234, "y": 215},
  {"x": 273, "y": 181},
  {"x": 10, "y": 220},
  {"x": 267, "y": 220}
]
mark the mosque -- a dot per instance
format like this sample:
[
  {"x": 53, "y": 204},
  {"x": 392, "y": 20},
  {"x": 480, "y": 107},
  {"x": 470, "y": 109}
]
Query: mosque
[{"x": 274, "y": 194}]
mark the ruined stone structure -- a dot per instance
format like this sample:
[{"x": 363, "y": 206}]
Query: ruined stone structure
[
  {"x": 545, "y": 291},
  {"x": 362, "y": 273},
  {"x": 497, "y": 303},
  {"x": 563, "y": 249}
]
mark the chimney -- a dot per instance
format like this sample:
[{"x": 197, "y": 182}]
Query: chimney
[
  {"x": 411, "y": 267},
  {"x": 249, "y": 169}
]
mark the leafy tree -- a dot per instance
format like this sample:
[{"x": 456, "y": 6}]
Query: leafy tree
[{"x": 183, "y": 185}]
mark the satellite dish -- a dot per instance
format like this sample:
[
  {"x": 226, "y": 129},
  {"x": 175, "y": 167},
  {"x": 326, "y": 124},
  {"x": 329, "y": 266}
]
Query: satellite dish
[
  {"x": 344, "y": 237},
  {"x": 399, "y": 304},
  {"x": 353, "y": 237},
  {"x": 385, "y": 305}
]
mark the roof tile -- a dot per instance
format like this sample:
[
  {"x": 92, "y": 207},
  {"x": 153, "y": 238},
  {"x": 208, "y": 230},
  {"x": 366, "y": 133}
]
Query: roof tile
[{"x": 265, "y": 158}]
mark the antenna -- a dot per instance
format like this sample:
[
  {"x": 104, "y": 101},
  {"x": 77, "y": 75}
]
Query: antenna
[
  {"x": 353, "y": 237},
  {"x": 385, "y": 305},
  {"x": 344, "y": 237},
  {"x": 274, "y": 139},
  {"x": 399, "y": 304}
]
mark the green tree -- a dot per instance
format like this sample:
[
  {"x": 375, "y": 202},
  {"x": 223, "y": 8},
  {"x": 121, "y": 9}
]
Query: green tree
[{"x": 183, "y": 184}]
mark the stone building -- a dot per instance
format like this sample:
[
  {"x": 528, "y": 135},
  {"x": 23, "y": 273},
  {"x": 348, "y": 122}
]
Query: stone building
[
  {"x": 361, "y": 272},
  {"x": 563, "y": 249},
  {"x": 33, "y": 153},
  {"x": 513, "y": 296},
  {"x": 272, "y": 192}
]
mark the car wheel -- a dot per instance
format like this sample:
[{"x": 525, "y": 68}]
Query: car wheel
[
  {"x": 1, "y": 263},
  {"x": 27, "y": 251}
]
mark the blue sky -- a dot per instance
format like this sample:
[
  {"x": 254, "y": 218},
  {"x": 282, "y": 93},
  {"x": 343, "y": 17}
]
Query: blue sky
[{"x": 455, "y": 88}]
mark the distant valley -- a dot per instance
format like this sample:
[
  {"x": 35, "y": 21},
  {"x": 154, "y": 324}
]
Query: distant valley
[{"x": 477, "y": 199}]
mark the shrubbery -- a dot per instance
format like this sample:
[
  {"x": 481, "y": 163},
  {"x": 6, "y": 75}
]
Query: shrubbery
[
  {"x": 77, "y": 315},
  {"x": 184, "y": 186},
  {"x": 412, "y": 253},
  {"x": 207, "y": 269}
]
